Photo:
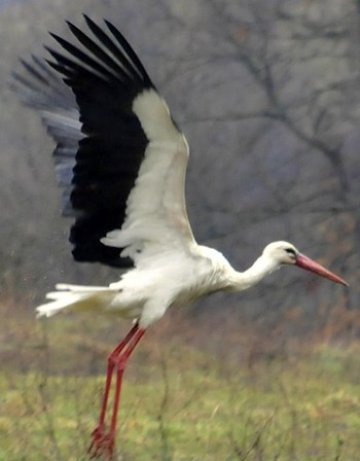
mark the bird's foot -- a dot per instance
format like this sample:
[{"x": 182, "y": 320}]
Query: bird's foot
[{"x": 102, "y": 444}]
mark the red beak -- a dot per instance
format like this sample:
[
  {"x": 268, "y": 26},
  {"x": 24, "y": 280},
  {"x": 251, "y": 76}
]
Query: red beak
[{"x": 308, "y": 264}]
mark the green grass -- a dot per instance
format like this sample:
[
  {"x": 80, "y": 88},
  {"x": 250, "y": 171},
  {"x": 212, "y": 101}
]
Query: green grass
[{"x": 188, "y": 406}]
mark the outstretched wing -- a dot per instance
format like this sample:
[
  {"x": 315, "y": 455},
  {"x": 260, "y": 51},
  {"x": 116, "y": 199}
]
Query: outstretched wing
[{"x": 129, "y": 173}]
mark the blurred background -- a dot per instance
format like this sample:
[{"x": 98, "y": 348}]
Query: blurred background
[{"x": 268, "y": 95}]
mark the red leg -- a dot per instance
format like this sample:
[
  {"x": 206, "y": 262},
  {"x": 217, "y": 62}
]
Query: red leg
[
  {"x": 111, "y": 364},
  {"x": 103, "y": 443},
  {"x": 120, "y": 366}
]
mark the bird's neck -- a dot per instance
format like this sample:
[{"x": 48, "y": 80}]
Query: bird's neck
[{"x": 261, "y": 268}]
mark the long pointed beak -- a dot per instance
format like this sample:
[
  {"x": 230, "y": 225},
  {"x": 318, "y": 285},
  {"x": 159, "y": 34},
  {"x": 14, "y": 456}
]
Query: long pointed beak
[{"x": 308, "y": 264}]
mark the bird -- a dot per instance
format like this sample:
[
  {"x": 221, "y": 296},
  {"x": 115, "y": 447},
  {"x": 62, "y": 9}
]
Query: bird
[{"x": 121, "y": 160}]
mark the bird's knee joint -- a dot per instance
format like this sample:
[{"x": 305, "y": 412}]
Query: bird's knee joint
[
  {"x": 116, "y": 361},
  {"x": 113, "y": 359}
]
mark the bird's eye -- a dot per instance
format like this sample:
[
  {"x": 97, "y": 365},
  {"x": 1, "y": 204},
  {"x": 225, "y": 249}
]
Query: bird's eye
[{"x": 290, "y": 251}]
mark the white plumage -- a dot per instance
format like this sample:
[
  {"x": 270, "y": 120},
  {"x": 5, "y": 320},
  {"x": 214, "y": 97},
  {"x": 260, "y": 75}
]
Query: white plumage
[{"x": 122, "y": 161}]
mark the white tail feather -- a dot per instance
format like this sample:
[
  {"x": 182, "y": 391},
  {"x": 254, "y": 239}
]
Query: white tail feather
[{"x": 76, "y": 298}]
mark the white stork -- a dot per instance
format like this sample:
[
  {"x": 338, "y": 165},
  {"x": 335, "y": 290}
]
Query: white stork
[{"x": 122, "y": 162}]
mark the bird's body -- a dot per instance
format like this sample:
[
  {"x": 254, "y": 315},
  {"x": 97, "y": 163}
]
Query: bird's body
[
  {"x": 122, "y": 161},
  {"x": 177, "y": 278}
]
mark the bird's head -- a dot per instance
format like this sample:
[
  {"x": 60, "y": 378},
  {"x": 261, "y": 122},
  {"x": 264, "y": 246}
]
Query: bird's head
[{"x": 286, "y": 253}]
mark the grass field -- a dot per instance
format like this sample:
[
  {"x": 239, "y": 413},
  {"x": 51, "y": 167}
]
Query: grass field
[{"x": 184, "y": 405}]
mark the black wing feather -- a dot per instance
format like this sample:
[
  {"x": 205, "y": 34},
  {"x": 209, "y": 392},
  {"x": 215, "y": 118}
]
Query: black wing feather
[
  {"x": 82, "y": 57},
  {"x": 96, "y": 50},
  {"x": 135, "y": 61},
  {"x": 111, "y": 46}
]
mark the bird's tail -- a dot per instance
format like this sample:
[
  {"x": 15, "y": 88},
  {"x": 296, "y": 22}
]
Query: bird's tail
[{"x": 76, "y": 298}]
